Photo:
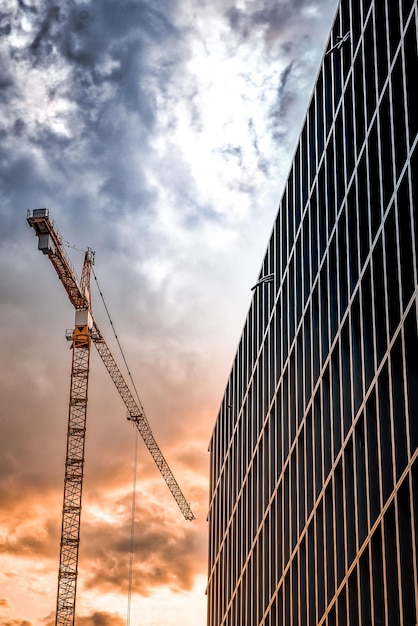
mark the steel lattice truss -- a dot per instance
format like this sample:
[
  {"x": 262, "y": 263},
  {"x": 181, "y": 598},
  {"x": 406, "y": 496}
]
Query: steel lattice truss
[
  {"x": 86, "y": 329},
  {"x": 73, "y": 482},
  {"x": 138, "y": 417}
]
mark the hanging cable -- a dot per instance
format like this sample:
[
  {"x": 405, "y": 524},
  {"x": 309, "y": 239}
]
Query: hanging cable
[
  {"x": 133, "y": 506},
  {"x": 67, "y": 244}
]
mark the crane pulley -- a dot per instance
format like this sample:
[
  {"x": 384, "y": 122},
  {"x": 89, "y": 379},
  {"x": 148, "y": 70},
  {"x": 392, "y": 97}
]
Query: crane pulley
[{"x": 86, "y": 331}]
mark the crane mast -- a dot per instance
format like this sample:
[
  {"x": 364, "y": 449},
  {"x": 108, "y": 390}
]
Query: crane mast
[
  {"x": 74, "y": 461},
  {"x": 86, "y": 331}
]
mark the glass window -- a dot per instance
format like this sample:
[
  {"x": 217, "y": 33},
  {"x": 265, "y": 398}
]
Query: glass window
[
  {"x": 386, "y": 148},
  {"x": 406, "y": 553},
  {"x": 385, "y": 433},
  {"x": 369, "y": 70},
  {"x": 319, "y": 102},
  {"x": 398, "y": 400},
  {"x": 391, "y": 254},
  {"x": 359, "y": 100},
  {"x": 411, "y": 360},
  {"x": 399, "y": 123},
  {"x": 374, "y": 181},
  {"x": 339, "y": 161},
  {"x": 349, "y": 135},
  {"x": 304, "y": 173},
  {"x": 356, "y": 21},
  {"x": 411, "y": 71},
  {"x": 372, "y": 457},
  {"x": 363, "y": 209},
  {"x": 361, "y": 490},
  {"x": 381, "y": 42},
  {"x": 394, "y": 25},
  {"x": 368, "y": 325}
]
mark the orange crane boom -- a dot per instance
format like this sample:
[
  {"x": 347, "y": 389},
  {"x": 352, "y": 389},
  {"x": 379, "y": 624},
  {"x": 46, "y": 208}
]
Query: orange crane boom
[{"x": 86, "y": 330}]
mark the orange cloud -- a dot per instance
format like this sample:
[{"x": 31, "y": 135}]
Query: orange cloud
[
  {"x": 35, "y": 536},
  {"x": 165, "y": 554},
  {"x": 16, "y": 622}
]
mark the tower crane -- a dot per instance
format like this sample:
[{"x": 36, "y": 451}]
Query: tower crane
[{"x": 86, "y": 331}]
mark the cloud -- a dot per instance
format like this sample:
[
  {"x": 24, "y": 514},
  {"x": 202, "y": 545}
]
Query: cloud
[
  {"x": 16, "y": 622},
  {"x": 101, "y": 619},
  {"x": 168, "y": 552},
  {"x": 97, "y": 618},
  {"x": 4, "y": 602},
  {"x": 26, "y": 540}
]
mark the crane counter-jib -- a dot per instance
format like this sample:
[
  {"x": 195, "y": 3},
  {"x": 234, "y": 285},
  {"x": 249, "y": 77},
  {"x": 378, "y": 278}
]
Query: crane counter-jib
[{"x": 50, "y": 244}]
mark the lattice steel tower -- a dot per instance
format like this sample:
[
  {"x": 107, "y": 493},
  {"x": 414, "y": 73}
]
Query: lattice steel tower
[{"x": 85, "y": 331}]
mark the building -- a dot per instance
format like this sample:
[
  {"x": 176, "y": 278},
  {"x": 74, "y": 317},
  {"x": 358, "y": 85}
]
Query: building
[{"x": 313, "y": 511}]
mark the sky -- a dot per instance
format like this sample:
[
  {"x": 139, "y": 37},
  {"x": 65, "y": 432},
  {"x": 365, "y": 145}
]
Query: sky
[{"x": 159, "y": 133}]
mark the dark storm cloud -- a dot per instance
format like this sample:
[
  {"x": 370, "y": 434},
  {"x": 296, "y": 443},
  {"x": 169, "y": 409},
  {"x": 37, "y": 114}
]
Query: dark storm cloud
[
  {"x": 291, "y": 32},
  {"x": 101, "y": 618},
  {"x": 106, "y": 66},
  {"x": 98, "y": 618},
  {"x": 287, "y": 102},
  {"x": 283, "y": 22}
]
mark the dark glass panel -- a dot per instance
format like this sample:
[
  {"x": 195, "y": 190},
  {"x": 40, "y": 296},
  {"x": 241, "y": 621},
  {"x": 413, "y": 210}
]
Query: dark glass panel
[
  {"x": 368, "y": 344},
  {"x": 385, "y": 433},
  {"x": 399, "y": 122},
  {"x": 391, "y": 254},
  {"x": 349, "y": 135},
  {"x": 411, "y": 71},
  {"x": 356, "y": 359},
  {"x": 391, "y": 566},
  {"x": 373, "y": 458},
  {"x": 386, "y": 149},
  {"x": 339, "y": 161},
  {"x": 361, "y": 480},
  {"x": 353, "y": 247},
  {"x": 363, "y": 209},
  {"x": 369, "y": 70},
  {"x": 381, "y": 42},
  {"x": 406, "y": 554},
  {"x": 379, "y": 301},
  {"x": 394, "y": 25},
  {"x": 359, "y": 101},
  {"x": 411, "y": 359},
  {"x": 405, "y": 242},
  {"x": 374, "y": 181}
]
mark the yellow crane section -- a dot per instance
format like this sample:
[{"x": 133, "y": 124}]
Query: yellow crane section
[{"x": 86, "y": 331}]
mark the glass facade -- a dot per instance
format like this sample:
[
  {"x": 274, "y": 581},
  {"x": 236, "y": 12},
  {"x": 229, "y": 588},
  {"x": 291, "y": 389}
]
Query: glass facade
[{"x": 313, "y": 511}]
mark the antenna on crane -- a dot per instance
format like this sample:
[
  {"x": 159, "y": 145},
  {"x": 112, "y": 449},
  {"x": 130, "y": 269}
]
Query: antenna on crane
[{"x": 86, "y": 331}]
